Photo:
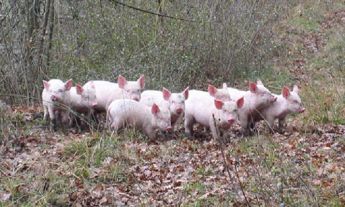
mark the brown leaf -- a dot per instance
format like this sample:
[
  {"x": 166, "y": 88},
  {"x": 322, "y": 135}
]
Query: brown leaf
[
  {"x": 73, "y": 196},
  {"x": 327, "y": 183},
  {"x": 97, "y": 191},
  {"x": 104, "y": 200},
  {"x": 79, "y": 183}
]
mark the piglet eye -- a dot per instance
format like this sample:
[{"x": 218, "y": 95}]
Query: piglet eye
[{"x": 60, "y": 90}]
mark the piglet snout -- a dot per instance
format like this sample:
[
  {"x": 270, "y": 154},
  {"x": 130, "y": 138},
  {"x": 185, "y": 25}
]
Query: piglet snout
[
  {"x": 231, "y": 121},
  {"x": 301, "y": 110},
  {"x": 179, "y": 111},
  {"x": 168, "y": 129},
  {"x": 54, "y": 98}
]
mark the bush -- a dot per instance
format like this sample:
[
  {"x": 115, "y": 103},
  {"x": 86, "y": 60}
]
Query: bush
[{"x": 217, "y": 41}]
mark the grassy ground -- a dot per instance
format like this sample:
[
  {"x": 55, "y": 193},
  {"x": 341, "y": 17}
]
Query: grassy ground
[
  {"x": 305, "y": 166},
  {"x": 298, "y": 168}
]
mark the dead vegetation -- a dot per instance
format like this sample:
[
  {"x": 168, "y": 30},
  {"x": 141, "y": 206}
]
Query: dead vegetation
[
  {"x": 301, "y": 167},
  {"x": 305, "y": 166}
]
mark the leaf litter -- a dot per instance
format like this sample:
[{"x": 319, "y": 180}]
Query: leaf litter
[{"x": 178, "y": 171}]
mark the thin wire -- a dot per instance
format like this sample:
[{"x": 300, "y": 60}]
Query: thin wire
[{"x": 154, "y": 13}]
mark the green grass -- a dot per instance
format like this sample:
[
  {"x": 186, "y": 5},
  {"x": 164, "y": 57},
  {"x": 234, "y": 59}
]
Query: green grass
[
  {"x": 77, "y": 148},
  {"x": 13, "y": 186},
  {"x": 323, "y": 93},
  {"x": 305, "y": 23},
  {"x": 334, "y": 50},
  {"x": 210, "y": 201},
  {"x": 308, "y": 15},
  {"x": 324, "y": 104},
  {"x": 116, "y": 173},
  {"x": 37, "y": 190},
  {"x": 92, "y": 152},
  {"x": 203, "y": 171},
  {"x": 198, "y": 187}
]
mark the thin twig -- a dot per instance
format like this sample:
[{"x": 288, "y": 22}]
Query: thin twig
[
  {"x": 263, "y": 118},
  {"x": 241, "y": 185},
  {"x": 221, "y": 147},
  {"x": 309, "y": 189}
]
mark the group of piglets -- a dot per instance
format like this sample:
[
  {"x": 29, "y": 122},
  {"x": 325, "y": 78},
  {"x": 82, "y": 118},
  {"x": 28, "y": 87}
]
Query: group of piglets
[
  {"x": 126, "y": 105},
  {"x": 62, "y": 101}
]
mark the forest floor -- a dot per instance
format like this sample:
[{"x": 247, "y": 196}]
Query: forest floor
[
  {"x": 304, "y": 166},
  {"x": 300, "y": 167}
]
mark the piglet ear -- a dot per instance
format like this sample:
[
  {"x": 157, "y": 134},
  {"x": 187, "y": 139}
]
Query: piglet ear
[
  {"x": 186, "y": 93},
  {"x": 80, "y": 89},
  {"x": 259, "y": 82},
  {"x": 295, "y": 89},
  {"x": 285, "y": 92},
  {"x": 155, "y": 109},
  {"x": 240, "y": 102},
  {"x": 218, "y": 103},
  {"x": 212, "y": 90},
  {"x": 68, "y": 84},
  {"x": 225, "y": 86},
  {"x": 252, "y": 87},
  {"x": 141, "y": 81},
  {"x": 166, "y": 94},
  {"x": 46, "y": 84},
  {"x": 121, "y": 81}
]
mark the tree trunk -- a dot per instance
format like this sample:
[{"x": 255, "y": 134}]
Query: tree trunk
[
  {"x": 41, "y": 66},
  {"x": 32, "y": 8},
  {"x": 51, "y": 31}
]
